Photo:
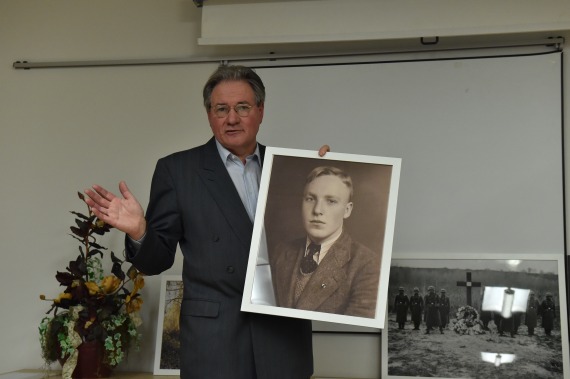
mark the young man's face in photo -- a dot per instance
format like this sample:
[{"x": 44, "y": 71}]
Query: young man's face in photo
[{"x": 325, "y": 206}]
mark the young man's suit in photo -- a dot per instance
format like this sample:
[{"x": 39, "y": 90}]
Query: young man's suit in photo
[{"x": 345, "y": 281}]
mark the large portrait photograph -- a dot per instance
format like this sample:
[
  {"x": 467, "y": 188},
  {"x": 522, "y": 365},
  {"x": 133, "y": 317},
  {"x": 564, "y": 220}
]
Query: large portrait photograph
[
  {"x": 476, "y": 316},
  {"x": 322, "y": 237}
]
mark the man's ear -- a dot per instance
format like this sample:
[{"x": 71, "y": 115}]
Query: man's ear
[
  {"x": 348, "y": 209},
  {"x": 261, "y": 108}
]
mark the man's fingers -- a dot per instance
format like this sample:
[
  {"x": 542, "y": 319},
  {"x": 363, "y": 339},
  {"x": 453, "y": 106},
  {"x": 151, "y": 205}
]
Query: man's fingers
[
  {"x": 100, "y": 195},
  {"x": 124, "y": 190},
  {"x": 104, "y": 193},
  {"x": 102, "y": 215},
  {"x": 323, "y": 150},
  {"x": 96, "y": 209},
  {"x": 96, "y": 198}
]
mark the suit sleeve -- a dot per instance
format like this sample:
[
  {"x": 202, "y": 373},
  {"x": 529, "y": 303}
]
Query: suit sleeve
[
  {"x": 164, "y": 226},
  {"x": 364, "y": 291}
]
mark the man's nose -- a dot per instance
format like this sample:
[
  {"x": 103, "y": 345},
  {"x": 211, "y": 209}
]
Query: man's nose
[
  {"x": 233, "y": 117},
  {"x": 318, "y": 208}
]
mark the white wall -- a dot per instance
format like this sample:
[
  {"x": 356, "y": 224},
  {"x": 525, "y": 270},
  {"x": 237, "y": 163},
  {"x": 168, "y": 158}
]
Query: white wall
[
  {"x": 265, "y": 21},
  {"x": 53, "y": 143}
]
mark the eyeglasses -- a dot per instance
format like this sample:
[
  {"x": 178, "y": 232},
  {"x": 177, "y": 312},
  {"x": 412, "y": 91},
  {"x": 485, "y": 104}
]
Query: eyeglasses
[{"x": 222, "y": 111}]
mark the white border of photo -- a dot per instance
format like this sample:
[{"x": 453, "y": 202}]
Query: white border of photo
[{"x": 258, "y": 267}]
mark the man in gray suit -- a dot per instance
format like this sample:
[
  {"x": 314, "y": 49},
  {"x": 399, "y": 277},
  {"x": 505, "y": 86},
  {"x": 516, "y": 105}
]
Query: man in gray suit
[
  {"x": 326, "y": 270},
  {"x": 204, "y": 199}
]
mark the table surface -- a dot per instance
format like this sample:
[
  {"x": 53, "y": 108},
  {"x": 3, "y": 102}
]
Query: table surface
[{"x": 56, "y": 374}]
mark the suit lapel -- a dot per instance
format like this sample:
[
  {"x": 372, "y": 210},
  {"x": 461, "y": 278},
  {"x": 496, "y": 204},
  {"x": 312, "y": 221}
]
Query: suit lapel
[
  {"x": 328, "y": 276},
  {"x": 290, "y": 268},
  {"x": 219, "y": 184}
]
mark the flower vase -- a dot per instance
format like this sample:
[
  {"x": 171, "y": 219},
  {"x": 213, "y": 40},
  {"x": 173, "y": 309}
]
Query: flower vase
[{"x": 90, "y": 361}]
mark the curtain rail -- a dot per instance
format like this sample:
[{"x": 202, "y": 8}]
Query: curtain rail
[{"x": 555, "y": 43}]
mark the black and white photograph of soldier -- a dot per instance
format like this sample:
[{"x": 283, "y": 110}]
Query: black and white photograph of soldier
[
  {"x": 444, "y": 308},
  {"x": 532, "y": 312},
  {"x": 432, "y": 317},
  {"x": 455, "y": 334},
  {"x": 548, "y": 313},
  {"x": 416, "y": 308},
  {"x": 401, "y": 304}
]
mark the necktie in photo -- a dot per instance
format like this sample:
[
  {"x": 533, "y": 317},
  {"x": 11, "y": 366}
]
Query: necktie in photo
[{"x": 308, "y": 264}]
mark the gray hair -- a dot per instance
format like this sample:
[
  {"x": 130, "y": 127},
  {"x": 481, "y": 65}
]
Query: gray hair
[{"x": 234, "y": 73}]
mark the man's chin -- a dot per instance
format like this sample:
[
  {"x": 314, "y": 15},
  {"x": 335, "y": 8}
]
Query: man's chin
[{"x": 316, "y": 238}]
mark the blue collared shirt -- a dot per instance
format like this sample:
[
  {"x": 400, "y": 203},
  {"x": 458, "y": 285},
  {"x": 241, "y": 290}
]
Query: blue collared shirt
[{"x": 244, "y": 176}]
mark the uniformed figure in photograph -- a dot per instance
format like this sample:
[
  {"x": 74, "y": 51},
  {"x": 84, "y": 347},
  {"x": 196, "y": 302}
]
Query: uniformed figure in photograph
[
  {"x": 505, "y": 325},
  {"x": 401, "y": 304},
  {"x": 547, "y": 310},
  {"x": 532, "y": 309},
  {"x": 444, "y": 309},
  {"x": 517, "y": 318},
  {"x": 484, "y": 316},
  {"x": 416, "y": 308},
  {"x": 508, "y": 325},
  {"x": 326, "y": 270},
  {"x": 431, "y": 302}
]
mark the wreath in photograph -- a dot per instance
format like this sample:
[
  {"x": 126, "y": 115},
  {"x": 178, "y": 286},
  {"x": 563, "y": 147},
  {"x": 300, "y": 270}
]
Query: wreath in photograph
[{"x": 467, "y": 321}]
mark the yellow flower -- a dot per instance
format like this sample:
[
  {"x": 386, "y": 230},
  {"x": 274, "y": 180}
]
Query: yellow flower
[
  {"x": 138, "y": 283},
  {"x": 92, "y": 287},
  {"x": 133, "y": 304},
  {"x": 110, "y": 284},
  {"x": 62, "y": 296}
]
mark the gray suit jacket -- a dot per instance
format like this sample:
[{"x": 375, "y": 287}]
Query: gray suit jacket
[
  {"x": 345, "y": 282},
  {"x": 194, "y": 203}
]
